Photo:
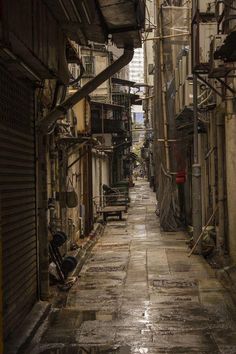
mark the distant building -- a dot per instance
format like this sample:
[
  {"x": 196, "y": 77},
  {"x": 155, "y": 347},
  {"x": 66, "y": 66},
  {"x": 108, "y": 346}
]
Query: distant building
[{"x": 136, "y": 68}]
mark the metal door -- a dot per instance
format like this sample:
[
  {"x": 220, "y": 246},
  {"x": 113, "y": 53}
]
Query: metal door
[{"x": 18, "y": 199}]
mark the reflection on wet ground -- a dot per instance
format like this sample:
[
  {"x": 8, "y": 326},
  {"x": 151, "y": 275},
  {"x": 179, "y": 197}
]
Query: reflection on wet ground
[{"x": 138, "y": 292}]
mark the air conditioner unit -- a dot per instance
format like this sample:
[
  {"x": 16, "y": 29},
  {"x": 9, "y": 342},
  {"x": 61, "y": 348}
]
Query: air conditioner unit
[{"x": 217, "y": 66}]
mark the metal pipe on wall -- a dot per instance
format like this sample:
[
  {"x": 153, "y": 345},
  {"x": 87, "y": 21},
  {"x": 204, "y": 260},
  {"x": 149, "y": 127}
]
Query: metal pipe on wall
[
  {"x": 230, "y": 133},
  {"x": 164, "y": 108},
  {"x": 196, "y": 172},
  {"x": 220, "y": 239}
]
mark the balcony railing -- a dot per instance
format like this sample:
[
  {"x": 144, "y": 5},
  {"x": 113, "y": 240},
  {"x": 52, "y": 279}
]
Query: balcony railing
[{"x": 111, "y": 126}]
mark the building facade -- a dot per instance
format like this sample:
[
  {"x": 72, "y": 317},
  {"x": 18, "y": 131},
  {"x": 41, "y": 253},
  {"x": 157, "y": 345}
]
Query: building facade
[{"x": 47, "y": 146}]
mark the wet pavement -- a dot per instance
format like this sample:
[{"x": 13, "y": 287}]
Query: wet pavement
[{"x": 138, "y": 292}]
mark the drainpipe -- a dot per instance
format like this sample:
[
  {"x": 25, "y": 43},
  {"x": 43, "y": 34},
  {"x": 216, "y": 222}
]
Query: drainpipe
[
  {"x": 84, "y": 91},
  {"x": 230, "y": 132},
  {"x": 220, "y": 240},
  {"x": 196, "y": 172}
]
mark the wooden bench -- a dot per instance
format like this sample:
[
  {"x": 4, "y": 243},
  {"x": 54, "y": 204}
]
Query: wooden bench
[{"x": 112, "y": 210}]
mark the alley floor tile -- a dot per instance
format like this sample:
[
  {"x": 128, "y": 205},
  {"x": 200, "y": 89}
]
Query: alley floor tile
[{"x": 139, "y": 292}]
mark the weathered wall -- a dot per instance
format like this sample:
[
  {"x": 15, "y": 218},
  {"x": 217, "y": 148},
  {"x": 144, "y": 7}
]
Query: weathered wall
[{"x": 230, "y": 134}]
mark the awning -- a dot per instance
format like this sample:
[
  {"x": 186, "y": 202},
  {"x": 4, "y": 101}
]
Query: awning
[
  {"x": 118, "y": 81},
  {"x": 114, "y": 107},
  {"x": 95, "y": 20}
]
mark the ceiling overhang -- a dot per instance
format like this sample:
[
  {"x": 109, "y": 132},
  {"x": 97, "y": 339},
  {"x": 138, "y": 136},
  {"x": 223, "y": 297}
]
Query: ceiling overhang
[{"x": 95, "y": 20}]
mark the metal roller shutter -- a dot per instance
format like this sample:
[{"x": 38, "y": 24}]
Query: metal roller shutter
[{"x": 18, "y": 199}]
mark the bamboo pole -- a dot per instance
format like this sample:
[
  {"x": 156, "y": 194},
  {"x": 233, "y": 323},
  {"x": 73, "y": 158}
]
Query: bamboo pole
[
  {"x": 204, "y": 229},
  {"x": 167, "y": 37}
]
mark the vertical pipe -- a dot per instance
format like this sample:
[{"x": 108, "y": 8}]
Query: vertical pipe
[
  {"x": 195, "y": 117},
  {"x": 100, "y": 180},
  {"x": 155, "y": 103},
  {"x": 163, "y": 101},
  {"x": 230, "y": 132},
  {"x": 220, "y": 240},
  {"x": 196, "y": 172}
]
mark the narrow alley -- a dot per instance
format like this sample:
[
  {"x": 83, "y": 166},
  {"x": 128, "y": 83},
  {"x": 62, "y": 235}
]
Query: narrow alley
[{"x": 138, "y": 292}]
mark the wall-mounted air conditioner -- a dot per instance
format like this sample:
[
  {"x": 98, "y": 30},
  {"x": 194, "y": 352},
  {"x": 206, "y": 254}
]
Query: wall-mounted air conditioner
[{"x": 217, "y": 66}]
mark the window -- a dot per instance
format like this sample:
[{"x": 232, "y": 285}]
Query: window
[{"x": 88, "y": 62}]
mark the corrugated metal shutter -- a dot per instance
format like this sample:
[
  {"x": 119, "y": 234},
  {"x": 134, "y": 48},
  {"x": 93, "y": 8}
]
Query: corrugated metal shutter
[{"x": 18, "y": 194}]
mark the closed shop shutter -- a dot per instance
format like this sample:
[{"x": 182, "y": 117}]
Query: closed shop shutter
[{"x": 18, "y": 199}]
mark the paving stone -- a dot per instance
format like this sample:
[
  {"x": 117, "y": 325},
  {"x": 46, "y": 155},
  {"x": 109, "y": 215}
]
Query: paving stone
[{"x": 139, "y": 292}]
